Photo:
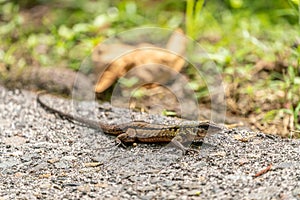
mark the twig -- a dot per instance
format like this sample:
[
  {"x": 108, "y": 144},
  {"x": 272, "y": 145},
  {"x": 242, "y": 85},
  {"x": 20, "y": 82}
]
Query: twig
[{"x": 263, "y": 171}]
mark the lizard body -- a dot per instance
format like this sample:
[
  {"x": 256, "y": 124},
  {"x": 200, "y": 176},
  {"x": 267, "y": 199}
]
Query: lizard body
[{"x": 140, "y": 131}]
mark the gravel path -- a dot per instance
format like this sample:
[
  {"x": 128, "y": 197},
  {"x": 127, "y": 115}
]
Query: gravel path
[{"x": 45, "y": 157}]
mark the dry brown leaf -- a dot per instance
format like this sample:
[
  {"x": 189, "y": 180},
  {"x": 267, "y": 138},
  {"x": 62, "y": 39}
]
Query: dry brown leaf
[{"x": 116, "y": 60}]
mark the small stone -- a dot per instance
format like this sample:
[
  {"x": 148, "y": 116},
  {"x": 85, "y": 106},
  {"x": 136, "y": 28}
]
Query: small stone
[
  {"x": 69, "y": 158},
  {"x": 243, "y": 161},
  {"x": 41, "y": 166},
  {"x": 101, "y": 185},
  {"x": 155, "y": 180},
  {"x": 219, "y": 153},
  {"x": 47, "y": 175},
  {"x": 284, "y": 165},
  {"x": 45, "y": 186},
  {"x": 14, "y": 141},
  {"x": 61, "y": 165},
  {"x": 145, "y": 188},
  {"x": 26, "y": 158},
  {"x": 17, "y": 153},
  {"x": 19, "y": 175},
  {"x": 190, "y": 185},
  {"x": 172, "y": 196},
  {"x": 84, "y": 188},
  {"x": 167, "y": 183},
  {"x": 296, "y": 192},
  {"x": 63, "y": 174},
  {"x": 194, "y": 193},
  {"x": 8, "y": 164}
]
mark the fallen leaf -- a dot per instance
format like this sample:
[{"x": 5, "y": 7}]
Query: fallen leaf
[
  {"x": 116, "y": 60},
  {"x": 263, "y": 171}
]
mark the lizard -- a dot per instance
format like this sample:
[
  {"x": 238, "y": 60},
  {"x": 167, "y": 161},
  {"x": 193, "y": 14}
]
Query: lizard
[{"x": 144, "y": 132}]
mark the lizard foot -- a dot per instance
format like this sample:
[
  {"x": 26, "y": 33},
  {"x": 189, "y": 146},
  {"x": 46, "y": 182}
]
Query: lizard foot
[{"x": 184, "y": 149}]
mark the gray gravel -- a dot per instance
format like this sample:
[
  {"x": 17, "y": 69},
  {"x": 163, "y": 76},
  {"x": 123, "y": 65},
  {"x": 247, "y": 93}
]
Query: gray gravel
[{"x": 45, "y": 157}]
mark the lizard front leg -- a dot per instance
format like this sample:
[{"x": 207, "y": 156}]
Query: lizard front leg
[
  {"x": 177, "y": 142},
  {"x": 128, "y": 137}
]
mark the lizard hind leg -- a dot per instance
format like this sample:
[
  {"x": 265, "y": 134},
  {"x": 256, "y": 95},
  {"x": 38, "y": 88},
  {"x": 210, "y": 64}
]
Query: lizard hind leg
[{"x": 177, "y": 143}]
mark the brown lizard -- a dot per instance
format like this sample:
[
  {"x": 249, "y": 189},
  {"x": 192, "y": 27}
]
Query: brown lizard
[{"x": 140, "y": 131}]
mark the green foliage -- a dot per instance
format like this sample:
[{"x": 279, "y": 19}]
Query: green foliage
[
  {"x": 235, "y": 34},
  {"x": 168, "y": 113},
  {"x": 81, "y": 24},
  {"x": 291, "y": 86},
  {"x": 128, "y": 82},
  {"x": 193, "y": 9}
]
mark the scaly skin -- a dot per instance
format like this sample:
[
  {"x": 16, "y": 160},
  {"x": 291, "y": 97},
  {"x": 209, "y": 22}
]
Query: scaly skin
[{"x": 140, "y": 131}]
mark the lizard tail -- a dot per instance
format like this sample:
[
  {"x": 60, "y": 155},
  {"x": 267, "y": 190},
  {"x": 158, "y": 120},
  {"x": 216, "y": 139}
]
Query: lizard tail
[{"x": 89, "y": 123}]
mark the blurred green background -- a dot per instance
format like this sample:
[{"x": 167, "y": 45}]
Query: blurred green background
[
  {"x": 50, "y": 33},
  {"x": 255, "y": 44}
]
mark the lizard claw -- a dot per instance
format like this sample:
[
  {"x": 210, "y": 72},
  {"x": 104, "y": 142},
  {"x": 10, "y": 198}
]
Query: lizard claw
[
  {"x": 187, "y": 150},
  {"x": 191, "y": 150},
  {"x": 184, "y": 149},
  {"x": 120, "y": 143}
]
